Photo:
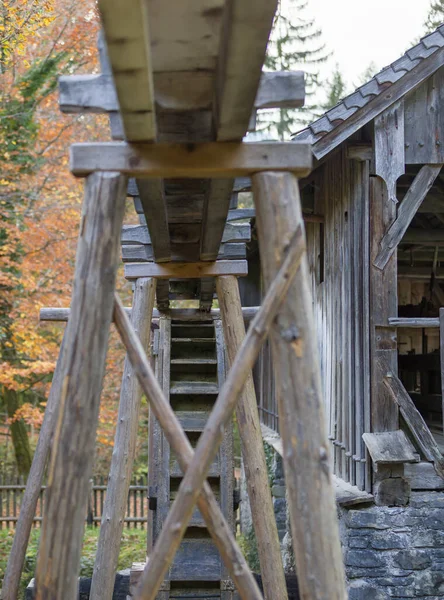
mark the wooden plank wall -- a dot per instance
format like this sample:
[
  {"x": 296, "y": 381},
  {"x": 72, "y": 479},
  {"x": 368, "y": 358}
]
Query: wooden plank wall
[{"x": 338, "y": 253}]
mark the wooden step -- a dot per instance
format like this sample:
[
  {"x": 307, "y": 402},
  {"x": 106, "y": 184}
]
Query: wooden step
[
  {"x": 196, "y": 560},
  {"x": 176, "y": 471},
  {"x": 190, "y": 330},
  {"x": 193, "y": 387},
  {"x": 191, "y": 366},
  {"x": 193, "y": 420},
  {"x": 204, "y": 341}
]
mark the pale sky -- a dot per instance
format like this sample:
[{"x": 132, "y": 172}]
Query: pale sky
[{"x": 362, "y": 31}]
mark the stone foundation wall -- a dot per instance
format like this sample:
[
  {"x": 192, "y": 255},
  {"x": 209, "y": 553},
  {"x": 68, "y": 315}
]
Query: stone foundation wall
[
  {"x": 389, "y": 552},
  {"x": 395, "y": 552}
]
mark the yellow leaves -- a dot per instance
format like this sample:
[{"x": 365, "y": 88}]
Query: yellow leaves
[{"x": 32, "y": 415}]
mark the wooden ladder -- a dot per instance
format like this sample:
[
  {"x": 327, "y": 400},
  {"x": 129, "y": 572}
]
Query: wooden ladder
[{"x": 190, "y": 366}]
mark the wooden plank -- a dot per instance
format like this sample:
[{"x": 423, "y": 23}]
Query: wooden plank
[
  {"x": 144, "y": 252},
  {"x": 72, "y": 453},
  {"x": 397, "y": 90},
  {"x": 389, "y": 447},
  {"x": 383, "y": 305},
  {"x": 414, "y": 323},
  {"x": 424, "y": 122},
  {"x": 126, "y": 29},
  {"x": 424, "y": 237},
  {"x": 187, "y": 270},
  {"x": 178, "y": 91},
  {"x": 302, "y": 424},
  {"x": 210, "y": 160},
  {"x": 138, "y": 234},
  {"x": 389, "y": 146},
  {"x": 253, "y": 454},
  {"x": 407, "y": 210},
  {"x": 216, "y": 206},
  {"x": 115, "y": 506},
  {"x": 412, "y": 417},
  {"x": 237, "y": 86},
  {"x": 152, "y": 199}
]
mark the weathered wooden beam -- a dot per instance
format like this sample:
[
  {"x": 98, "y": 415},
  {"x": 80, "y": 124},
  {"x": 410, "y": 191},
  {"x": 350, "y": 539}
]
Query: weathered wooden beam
[
  {"x": 418, "y": 273},
  {"x": 126, "y": 29},
  {"x": 302, "y": 424},
  {"x": 389, "y": 146},
  {"x": 144, "y": 252},
  {"x": 116, "y": 498},
  {"x": 412, "y": 417},
  {"x": 233, "y": 233},
  {"x": 253, "y": 454},
  {"x": 424, "y": 237},
  {"x": 152, "y": 198},
  {"x": 360, "y": 151},
  {"x": 82, "y": 94},
  {"x": 177, "y": 314},
  {"x": 414, "y": 323},
  {"x": 364, "y": 115},
  {"x": 207, "y": 160},
  {"x": 216, "y": 206},
  {"x": 28, "y": 503},
  {"x": 383, "y": 305},
  {"x": 196, "y": 270},
  {"x": 180, "y": 513},
  {"x": 207, "y": 503},
  {"x": 441, "y": 355},
  {"x": 87, "y": 335},
  {"x": 407, "y": 210},
  {"x": 390, "y": 447}
]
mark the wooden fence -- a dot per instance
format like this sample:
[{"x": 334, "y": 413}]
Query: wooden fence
[{"x": 12, "y": 488}]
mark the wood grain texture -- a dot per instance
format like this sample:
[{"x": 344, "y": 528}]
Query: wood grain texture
[
  {"x": 139, "y": 234},
  {"x": 153, "y": 202},
  {"x": 412, "y": 417},
  {"x": 389, "y": 447},
  {"x": 407, "y": 210},
  {"x": 179, "y": 91},
  {"x": 83, "y": 370},
  {"x": 176, "y": 437},
  {"x": 206, "y": 160},
  {"x": 302, "y": 423},
  {"x": 127, "y": 35},
  {"x": 383, "y": 305},
  {"x": 28, "y": 504},
  {"x": 253, "y": 454},
  {"x": 182, "y": 509},
  {"x": 122, "y": 461},
  {"x": 424, "y": 122},
  {"x": 186, "y": 270},
  {"x": 389, "y": 146}
]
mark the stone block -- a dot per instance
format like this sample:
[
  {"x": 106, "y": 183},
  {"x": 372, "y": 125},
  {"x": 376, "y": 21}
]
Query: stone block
[
  {"x": 363, "y": 590},
  {"x": 393, "y": 492},
  {"x": 387, "y": 540},
  {"x": 412, "y": 559},
  {"x": 364, "y": 558}
]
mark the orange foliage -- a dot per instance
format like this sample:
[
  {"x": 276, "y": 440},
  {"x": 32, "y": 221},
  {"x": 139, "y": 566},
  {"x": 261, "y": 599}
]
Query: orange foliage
[{"x": 48, "y": 212}]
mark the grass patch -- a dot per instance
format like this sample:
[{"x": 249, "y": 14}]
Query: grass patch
[{"x": 132, "y": 549}]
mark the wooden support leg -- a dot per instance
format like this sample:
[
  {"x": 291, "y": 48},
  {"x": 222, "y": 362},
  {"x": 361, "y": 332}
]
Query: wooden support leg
[
  {"x": 306, "y": 457},
  {"x": 116, "y": 498},
  {"x": 253, "y": 454},
  {"x": 11, "y": 582},
  {"x": 83, "y": 369}
]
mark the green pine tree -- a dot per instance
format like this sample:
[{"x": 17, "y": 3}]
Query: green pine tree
[
  {"x": 435, "y": 16},
  {"x": 295, "y": 44},
  {"x": 336, "y": 89}
]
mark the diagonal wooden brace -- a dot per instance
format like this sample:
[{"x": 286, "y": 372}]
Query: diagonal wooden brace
[
  {"x": 180, "y": 514},
  {"x": 216, "y": 523}
]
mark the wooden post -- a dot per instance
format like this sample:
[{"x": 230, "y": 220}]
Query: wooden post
[
  {"x": 264, "y": 521},
  {"x": 306, "y": 456},
  {"x": 114, "y": 510},
  {"x": 30, "y": 498},
  {"x": 83, "y": 369}
]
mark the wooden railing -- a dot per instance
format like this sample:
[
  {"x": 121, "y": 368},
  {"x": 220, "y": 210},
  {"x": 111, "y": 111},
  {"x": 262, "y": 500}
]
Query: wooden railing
[{"x": 13, "y": 487}]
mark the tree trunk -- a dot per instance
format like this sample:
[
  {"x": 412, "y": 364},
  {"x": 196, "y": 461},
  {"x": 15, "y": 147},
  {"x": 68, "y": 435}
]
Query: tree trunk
[{"x": 19, "y": 434}]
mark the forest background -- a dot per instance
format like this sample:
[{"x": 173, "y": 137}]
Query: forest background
[{"x": 40, "y": 203}]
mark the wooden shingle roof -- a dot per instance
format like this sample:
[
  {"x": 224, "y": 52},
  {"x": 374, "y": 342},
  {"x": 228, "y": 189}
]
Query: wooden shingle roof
[{"x": 369, "y": 100}]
